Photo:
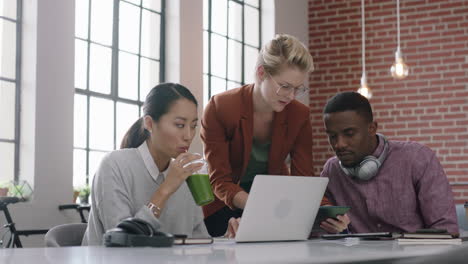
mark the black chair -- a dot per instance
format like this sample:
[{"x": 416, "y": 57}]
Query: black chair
[{"x": 65, "y": 235}]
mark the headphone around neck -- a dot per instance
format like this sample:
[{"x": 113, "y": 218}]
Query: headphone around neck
[{"x": 369, "y": 166}]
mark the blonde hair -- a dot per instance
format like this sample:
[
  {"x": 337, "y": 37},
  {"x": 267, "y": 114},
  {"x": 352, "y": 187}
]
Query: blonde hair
[{"x": 284, "y": 50}]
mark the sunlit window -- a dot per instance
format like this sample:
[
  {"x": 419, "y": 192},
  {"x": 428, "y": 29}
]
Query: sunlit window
[
  {"x": 118, "y": 59},
  {"x": 231, "y": 42},
  {"x": 10, "y": 50}
]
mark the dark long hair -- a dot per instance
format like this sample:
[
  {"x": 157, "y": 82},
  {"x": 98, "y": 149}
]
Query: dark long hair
[{"x": 157, "y": 103}]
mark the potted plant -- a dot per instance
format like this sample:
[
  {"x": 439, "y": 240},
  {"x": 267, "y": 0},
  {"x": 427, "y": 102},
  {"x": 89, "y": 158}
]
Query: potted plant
[
  {"x": 84, "y": 194},
  {"x": 20, "y": 189},
  {"x": 4, "y": 189},
  {"x": 76, "y": 193}
]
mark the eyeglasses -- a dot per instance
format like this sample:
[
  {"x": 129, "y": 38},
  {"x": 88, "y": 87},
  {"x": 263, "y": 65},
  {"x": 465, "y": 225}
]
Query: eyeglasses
[{"x": 286, "y": 89}]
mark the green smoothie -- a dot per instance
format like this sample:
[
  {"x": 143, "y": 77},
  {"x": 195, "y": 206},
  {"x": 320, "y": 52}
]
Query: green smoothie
[{"x": 199, "y": 185}]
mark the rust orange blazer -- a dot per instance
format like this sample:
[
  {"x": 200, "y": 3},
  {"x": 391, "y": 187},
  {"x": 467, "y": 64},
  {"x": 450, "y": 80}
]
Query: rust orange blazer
[{"x": 227, "y": 134}]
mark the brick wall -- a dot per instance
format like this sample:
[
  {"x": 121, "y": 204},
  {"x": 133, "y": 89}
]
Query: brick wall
[{"x": 430, "y": 105}]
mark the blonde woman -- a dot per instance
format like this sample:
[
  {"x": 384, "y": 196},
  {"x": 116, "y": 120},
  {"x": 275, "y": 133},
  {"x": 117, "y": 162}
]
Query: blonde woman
[{"x": 252, "y": 129}]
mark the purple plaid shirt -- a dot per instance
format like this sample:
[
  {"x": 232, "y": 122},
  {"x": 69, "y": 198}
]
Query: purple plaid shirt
[{"x": 410, "y": 191}]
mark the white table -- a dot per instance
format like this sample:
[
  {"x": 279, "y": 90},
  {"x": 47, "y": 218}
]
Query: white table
[{"x": 227, "y": 251}]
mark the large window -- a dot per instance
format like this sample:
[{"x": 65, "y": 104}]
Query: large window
[
  {"x": 231, "y": 40},
  {"x": 118, "y": 59},
  {"x": 10, "y": 50}
]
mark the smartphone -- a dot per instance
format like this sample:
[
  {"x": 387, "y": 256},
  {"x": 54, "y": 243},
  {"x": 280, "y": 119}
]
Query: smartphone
[
  {"x": 431, "y": 231},
  {"x": 378, "y": 235},
  {"x": 325, "y": 212}
]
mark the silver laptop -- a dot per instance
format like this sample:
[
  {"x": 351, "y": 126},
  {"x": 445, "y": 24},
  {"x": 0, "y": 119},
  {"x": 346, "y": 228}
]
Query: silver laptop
[{"x": 281, "y": 208}]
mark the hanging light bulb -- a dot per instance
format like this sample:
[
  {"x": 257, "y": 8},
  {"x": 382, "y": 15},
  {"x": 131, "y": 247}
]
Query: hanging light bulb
[
  {"x": 364, "y": 90},
  {"x": 399, "y": 69}
]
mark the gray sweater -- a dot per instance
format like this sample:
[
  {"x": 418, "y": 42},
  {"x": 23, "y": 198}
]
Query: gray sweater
[{"x": 123, "y": 185}]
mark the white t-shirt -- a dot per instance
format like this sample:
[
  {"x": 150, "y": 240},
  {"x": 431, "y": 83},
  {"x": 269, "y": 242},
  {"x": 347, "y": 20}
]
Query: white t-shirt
[{"x": 123, "y": 185}]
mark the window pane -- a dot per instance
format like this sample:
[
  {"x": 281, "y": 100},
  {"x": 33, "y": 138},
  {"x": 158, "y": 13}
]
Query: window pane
[
  {"x": 218, "y": 58},
  {"x": 232, "y": 85},
  {"x": 217, "y": 85},
  {"x": 235, "y": 21},
  {"x": 235, "y": 61},
  {"x": 149, "y": 76},
  {"x": 7, "y": 49},
  {"x": 150, "y": 34},
  {"x": 81, "y": 18},
  {"x": 95, "y": 158},
  {"x": 81, "y": 65},
  {"x": 100, "y": 69},
  {"x": 101, "y": 21},
  {"x": 153, "y": 5},
  {"x": 101, "y": 124},
  {"x": 7, "y": 110},
  {"x": 7, "y": 156},
  {"x": 80, "y": 116},
  {"x": 205, "y": 14},
  {"x": 219, "y": 16},
  {"x": 252, "y": 26},
  {"x": 139, "y": 29},
  {"x": 127, "y": 114},
  {"x": 129, "y": 27},
  {"x": 205, "y": 90},
  {"x": 79, "y": 167},
  {"x": 250, "y": 59},
  {"x": 128, "y": 76},
  {"x": 252, "y": 2},
  {"x": 8, "y": 8},
  {"x": 136, "y": 2},
  {"x": 205, "y": 52}
]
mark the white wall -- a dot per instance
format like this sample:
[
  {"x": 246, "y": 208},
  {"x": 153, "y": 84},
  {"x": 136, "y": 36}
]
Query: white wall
[
  {"x": 291, "y": 17},
  {"x": 184, "y": 50},
  {"x": 48, "y": 91},
  {"x": 47, "y": 114}
]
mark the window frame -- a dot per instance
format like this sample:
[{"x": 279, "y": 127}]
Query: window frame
[
  {"x": 17, "y": 82},
  {"x": 227, "y": 37},
  {"x": 113, "y": 96}
]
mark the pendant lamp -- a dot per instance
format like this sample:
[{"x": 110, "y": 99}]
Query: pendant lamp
[
  {"x": 364, "y": 88},
  {"x": 399, "y": 69}
]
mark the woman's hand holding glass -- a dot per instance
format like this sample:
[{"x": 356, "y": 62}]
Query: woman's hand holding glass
[{"x": 179, "y": 171}]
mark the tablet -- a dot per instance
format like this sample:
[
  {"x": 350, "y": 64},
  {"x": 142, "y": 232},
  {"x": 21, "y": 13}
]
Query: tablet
[{"x": 325, "y": 212}]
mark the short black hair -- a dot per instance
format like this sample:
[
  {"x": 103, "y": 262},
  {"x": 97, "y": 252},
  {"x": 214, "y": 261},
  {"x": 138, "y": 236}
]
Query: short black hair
[{"x": 349, "y": 101}]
